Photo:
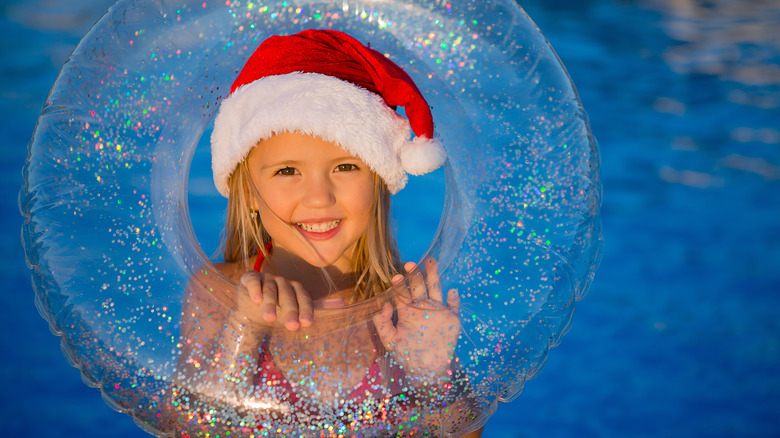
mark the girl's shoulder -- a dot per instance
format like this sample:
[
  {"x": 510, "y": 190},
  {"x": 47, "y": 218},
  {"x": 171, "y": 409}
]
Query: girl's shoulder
[
  {"x": 234, "y": 270},
  {"x": 202, "y": 300},
  {"x": 207, "y": 279},
  {"x": 231, "y": 270}
]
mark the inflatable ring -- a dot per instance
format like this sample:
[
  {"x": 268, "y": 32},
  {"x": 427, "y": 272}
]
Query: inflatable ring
[{"x": 109, "y": 238}]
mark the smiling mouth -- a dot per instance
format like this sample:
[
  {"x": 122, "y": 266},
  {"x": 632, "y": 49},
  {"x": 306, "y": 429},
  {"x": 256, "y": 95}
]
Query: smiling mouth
[{"x": 320, "y": 227}]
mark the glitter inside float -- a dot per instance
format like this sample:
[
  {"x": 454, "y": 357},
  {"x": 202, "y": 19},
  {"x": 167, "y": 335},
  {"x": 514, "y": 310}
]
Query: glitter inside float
[{"x": 114, "y": 258}]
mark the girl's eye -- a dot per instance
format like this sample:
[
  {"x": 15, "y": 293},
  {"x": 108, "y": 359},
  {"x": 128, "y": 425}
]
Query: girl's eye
[
  {"x": 287, "y": 171},
  {"x": 346, "y": 167}
]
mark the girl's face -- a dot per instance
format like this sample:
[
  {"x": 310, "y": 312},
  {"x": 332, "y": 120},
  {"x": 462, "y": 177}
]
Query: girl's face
[{"x": 318, "y": 197}]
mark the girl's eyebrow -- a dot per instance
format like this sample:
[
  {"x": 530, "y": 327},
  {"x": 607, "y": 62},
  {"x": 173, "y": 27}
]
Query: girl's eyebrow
[
  {"x": 293, "y": 163},
  {"x": 345, "y": 158},
  {"x": 283, "y": 163}
]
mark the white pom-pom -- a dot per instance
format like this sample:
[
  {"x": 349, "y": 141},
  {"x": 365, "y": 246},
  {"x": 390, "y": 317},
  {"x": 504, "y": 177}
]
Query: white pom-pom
[{"x": 422, "y": 155}]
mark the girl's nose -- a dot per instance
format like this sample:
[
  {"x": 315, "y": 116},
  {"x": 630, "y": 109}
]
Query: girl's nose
[{"x": 319, "y": 193}]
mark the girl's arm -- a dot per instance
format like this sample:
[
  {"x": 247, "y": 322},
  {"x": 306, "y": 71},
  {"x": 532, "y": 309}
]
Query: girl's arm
[
  {"x": 220, "y": 343},
  {"x": 425, "y": 333},
  {"x": 215, "y": 344},
  {"x": 423, "y": 340}
]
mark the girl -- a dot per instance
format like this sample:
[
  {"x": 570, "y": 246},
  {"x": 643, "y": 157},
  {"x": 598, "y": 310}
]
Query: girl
[{"x": 308, "y": 150}]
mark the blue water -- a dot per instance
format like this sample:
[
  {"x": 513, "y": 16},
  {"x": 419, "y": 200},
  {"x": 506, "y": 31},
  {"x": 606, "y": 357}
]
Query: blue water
[{"x": 679, "y": 335}]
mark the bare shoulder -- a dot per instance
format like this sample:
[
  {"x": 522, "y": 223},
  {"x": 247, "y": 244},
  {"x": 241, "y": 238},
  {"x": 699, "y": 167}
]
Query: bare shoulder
[
  {"x": 203, "y": 283},
  {"x": 207, "y": 299},
  {"x": 232, "y": 271}
]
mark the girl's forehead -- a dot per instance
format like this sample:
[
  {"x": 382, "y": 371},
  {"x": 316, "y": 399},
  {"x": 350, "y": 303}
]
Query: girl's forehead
[{"x": 300, "y": 146}]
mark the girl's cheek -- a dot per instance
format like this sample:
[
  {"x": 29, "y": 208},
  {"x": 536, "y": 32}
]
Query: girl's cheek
[
  {"x": 365, "y": 200},
  {"x": 278, "y": 198}
]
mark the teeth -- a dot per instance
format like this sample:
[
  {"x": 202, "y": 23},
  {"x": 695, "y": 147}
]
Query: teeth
[{"x": 321, "y": 227}]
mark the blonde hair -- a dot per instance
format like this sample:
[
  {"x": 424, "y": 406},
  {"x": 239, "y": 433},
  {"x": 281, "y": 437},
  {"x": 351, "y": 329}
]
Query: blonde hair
[{"x": 375, "y": 258}]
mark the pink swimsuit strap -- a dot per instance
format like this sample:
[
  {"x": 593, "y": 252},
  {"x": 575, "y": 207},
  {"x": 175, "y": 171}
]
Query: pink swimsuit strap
[{"x": 261, "y": 257}]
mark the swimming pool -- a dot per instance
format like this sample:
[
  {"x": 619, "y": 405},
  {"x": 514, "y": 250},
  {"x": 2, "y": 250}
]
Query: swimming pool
[{"x": 678, "y": 336}]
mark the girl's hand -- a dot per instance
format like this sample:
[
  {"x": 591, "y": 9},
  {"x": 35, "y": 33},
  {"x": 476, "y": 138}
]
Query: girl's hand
[
  {"x": 260, "y": 294},
  {"x": 425, "y": 336}
]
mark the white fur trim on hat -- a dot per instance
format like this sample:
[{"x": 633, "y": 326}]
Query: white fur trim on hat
[
  {"x": 422, "y": 155},
  {"x": 334, "y": 110}
]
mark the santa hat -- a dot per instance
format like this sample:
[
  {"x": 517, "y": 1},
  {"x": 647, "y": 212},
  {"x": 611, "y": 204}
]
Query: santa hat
[{"x": 326, "y": 83}]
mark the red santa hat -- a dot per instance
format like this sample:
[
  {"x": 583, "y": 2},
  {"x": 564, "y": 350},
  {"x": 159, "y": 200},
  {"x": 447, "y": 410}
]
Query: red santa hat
[{"x": 326, "y": 83}]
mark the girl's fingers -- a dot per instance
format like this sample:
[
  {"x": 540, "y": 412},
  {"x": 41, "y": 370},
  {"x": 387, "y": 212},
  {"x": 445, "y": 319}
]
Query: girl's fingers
[
  {"x": 252, "y": 282},
  {"x": 432, "y": 275},
  {"x": 383, "y": 322},
  {"x": 397, "y": 278},
  {"x": 288, "y": 304},
  {"x": 453, "y": 301},
  {"x": 416, "y": 282},
  {"x": 305, "y": 305},
  {"x": 270, "y": 294}
]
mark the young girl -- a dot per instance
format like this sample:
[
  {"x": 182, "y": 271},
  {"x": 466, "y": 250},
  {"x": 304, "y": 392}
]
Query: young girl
[{"x": 308, "y": 149}]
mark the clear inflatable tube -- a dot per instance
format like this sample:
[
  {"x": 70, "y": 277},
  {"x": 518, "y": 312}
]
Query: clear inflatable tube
[{"x": 109, "y": 239}]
